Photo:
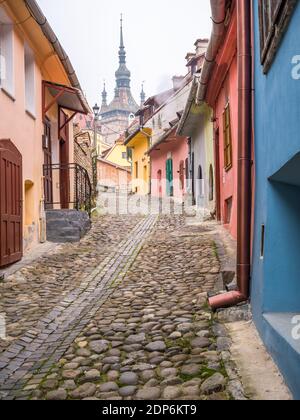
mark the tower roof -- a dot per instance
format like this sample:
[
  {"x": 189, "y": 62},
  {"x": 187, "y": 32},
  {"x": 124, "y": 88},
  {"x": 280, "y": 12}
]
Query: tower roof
[
  {"x": 123, "y": 100},
  {"x": 122, "y": 74},
  {"x": 143, "y": 95}
]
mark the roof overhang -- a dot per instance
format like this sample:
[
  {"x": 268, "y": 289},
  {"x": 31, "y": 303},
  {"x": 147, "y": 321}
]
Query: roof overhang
[
  {"x": 140, "y": 132},
  {"x": 114, "y": 165},
  {"x": 170, "y": 135},
  {"x": 191, "y": 116},
  {"x": 65, "y": 97}
]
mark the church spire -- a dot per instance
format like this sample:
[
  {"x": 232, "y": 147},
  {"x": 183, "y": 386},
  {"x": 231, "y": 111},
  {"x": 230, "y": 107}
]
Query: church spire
[
  {"x": 122, "y": 74},
  {"x": 143, "y": 95},
  {"x": 104, "y": 96},
  {"x": 122, "y": 52}
]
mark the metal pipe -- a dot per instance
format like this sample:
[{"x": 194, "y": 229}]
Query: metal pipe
[{"x": 244, "y": 199}]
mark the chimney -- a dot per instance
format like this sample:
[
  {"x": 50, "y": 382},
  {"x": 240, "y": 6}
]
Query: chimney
[
  {"x": 189, "y": 56},
  {"x": 177, "y": 82},
  {"x": 201, "y": 46}
]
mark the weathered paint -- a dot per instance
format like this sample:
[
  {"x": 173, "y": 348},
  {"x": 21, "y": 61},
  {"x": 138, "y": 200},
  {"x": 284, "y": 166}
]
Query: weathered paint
[{"x": 275, "y": 275}]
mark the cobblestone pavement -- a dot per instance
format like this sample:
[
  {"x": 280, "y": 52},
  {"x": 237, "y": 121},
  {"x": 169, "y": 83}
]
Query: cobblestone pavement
[
  {"x": 136, "y": 327},
  {"x": 32, "y": 292}
]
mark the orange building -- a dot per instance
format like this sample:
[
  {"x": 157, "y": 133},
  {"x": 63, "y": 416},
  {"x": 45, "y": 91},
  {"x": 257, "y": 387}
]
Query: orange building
[{"x": 39, "y": 96}]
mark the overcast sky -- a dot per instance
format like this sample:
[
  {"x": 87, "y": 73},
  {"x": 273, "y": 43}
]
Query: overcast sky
[{"x": 157, "y": 35}]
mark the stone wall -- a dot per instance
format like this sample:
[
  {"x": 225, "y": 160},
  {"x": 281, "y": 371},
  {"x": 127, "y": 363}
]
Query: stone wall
[{"x": 83, "y": 151}]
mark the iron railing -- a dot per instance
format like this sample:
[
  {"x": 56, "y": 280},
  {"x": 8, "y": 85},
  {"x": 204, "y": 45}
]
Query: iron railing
[{"x": 74, "y": 188}]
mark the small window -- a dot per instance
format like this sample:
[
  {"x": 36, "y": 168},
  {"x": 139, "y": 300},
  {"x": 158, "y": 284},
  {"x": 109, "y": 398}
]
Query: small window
[
  {"x": 124, "y": 155},
  {"x": 227, "y": 138},
  {"x": 29, "y": 80},
  {"x": 6, "y": 56},
  {"x": 274, "y": 17}
]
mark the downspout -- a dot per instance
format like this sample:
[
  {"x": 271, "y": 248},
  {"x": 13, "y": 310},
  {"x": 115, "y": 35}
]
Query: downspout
[{"x": 244, "y": 161}]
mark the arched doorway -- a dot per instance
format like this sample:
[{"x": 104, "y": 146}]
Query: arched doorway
[
  {"x": 11, "y": 204},
  {"x": 181, "y": 175},
  {"x": 159, "y": 182},
  {"x": 200, "y": 182}
]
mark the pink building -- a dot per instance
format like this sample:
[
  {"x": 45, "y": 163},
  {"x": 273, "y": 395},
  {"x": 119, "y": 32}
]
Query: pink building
[
  {"x": 222, "y": 96},
  {"x": 169, "y": 165}
]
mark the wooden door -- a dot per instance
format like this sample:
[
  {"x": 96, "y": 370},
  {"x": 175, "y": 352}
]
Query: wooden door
[
  {"x": 181, "y": 175},
  {"x": 48, "y": 181},
  {"x": 169, "y": 171},
  {"x": 159, "y": 181},
  {"x": 11, "y": 204},
  {"x": 64, "y": 162}
]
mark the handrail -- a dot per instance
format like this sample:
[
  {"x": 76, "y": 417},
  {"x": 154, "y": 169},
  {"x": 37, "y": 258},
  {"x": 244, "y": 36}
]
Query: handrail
[{"x": 81, "y": 186}]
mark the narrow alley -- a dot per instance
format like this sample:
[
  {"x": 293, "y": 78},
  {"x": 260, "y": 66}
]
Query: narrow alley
[
  {"x": 113, "y": 320},
  {"x": 149, "y": 219}
]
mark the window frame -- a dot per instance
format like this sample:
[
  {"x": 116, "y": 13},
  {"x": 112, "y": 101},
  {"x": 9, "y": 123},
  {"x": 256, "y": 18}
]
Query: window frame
[
  {"x": 30, "y": 80},
  {"x": 7, "y": 84},
  {"x": 227, "y": 132},
  {"x": 270, "y": 36}
]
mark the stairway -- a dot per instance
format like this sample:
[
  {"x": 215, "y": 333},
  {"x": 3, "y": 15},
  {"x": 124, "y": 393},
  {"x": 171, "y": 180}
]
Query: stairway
[{"x": 66, "y": 225}]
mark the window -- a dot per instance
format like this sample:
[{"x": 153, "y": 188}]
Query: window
[
  {"x": 6, "y": 55},
  {"x": 124, "y": 155},
  {"x": 227, "y": 138},
  {"x": 274, "y": 16},
  {"x": 29, "y": 80}
]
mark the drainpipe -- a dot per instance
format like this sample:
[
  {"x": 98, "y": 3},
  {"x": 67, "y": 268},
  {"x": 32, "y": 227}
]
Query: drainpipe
[{"x": 244, "y": 161}]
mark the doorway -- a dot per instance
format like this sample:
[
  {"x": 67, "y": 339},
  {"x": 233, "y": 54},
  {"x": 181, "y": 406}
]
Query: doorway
[
  {"x": 48, "y": 180},
  {"x": 159, "y": 181},
  {"x": 193, "y": 178},
  {"x": 11, "y": 204},
  {"x": 64, "y": 162},
  {"x": 169, "y": 178}
]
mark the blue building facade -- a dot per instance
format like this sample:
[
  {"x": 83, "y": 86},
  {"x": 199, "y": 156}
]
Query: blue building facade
[{"x": 275, "y": 288}]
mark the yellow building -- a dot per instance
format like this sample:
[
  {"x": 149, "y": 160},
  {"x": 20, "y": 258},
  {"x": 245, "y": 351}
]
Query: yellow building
[
  {"x": 138, "y": 143},
  {"x": 118, "y": 154}
]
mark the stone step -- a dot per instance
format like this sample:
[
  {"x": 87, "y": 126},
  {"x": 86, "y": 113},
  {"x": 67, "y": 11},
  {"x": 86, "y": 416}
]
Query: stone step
[{"x": 66, "y": 225}]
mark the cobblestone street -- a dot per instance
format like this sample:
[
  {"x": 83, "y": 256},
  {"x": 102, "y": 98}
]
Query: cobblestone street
[{"x": 121, "y": 315}]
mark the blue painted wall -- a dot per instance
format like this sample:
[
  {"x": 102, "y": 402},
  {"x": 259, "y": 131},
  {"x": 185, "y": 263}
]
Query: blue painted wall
[{"x": 276, "y": 277}]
